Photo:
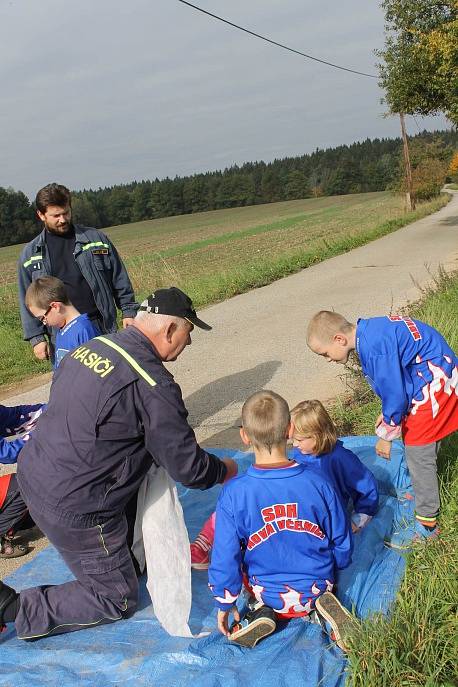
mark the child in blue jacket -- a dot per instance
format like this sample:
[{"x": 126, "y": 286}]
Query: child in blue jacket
[
  {"x": 284, "y": 527},
  {"x": 17, "y": 420},
  {"x": 316, "y": 445},
  {"x": 414, "y": 371},
  {"x": 47, "y": 299}
]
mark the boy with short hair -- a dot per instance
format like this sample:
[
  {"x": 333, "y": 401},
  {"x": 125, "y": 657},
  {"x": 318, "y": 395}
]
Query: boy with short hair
[
  {"x": 47, "y": 300},
  {"x": 414, "y": 371},
  {"x": 292, "y": 527}
]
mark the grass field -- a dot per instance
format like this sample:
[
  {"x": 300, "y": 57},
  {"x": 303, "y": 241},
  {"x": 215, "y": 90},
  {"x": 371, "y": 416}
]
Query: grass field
[
  {"x": 417, "y": 646},
  {"x": 215, "y": 255}
]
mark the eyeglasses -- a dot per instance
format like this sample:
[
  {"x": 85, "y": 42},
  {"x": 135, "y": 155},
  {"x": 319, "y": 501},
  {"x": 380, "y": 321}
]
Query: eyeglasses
[{"x": 43, "y": 317}]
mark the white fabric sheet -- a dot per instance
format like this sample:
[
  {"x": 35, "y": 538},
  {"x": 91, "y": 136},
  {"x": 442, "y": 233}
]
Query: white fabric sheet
[{"x": 161, "y": 542}]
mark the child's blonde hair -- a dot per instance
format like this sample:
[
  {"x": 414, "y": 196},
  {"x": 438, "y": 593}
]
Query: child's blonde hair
[
  {"x": 265, "y": 419},
  {"x": 311, "y": 419},
  {"x": 325, "y": 324},
  {"x": 45, "y": 290}
]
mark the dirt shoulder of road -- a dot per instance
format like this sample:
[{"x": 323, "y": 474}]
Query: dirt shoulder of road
[{"x": 25, "y": 385}]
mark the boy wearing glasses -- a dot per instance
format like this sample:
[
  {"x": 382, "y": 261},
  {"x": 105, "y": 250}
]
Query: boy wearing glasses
[{"x": 47, "y": 300}]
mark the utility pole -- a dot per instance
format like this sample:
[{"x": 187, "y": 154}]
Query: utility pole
[{"x": 409, "y": 192}]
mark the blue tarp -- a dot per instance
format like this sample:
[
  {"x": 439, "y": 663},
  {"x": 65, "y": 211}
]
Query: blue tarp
[{"x": 139, "y": 652}]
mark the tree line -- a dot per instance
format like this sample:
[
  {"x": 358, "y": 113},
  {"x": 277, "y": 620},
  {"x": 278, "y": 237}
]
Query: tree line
[{"x": 370, "y": 165}]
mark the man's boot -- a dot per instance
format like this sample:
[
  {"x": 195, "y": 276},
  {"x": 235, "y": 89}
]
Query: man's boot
[{"x": 8, "y": 597}]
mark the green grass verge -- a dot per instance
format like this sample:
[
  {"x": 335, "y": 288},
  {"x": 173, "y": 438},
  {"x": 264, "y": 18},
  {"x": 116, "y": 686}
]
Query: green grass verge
[{"x": 417, "y": 646}]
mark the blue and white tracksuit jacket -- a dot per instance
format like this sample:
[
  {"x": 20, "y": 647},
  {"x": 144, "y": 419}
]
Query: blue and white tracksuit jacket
[
  {"x": 348, "y": 475},
  {"x": 11, "y": 422},
  {"x": 288, "y": 528},
  {"x": 75, "y": 333},
  {"x": 414, "y": 371}
]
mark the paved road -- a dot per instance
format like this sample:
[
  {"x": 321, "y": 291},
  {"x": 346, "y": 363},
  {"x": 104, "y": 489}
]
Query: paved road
[{"x": 258, "y": 337}]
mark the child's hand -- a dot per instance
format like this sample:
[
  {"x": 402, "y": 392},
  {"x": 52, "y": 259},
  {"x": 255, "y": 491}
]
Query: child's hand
[
  {"x": 383, "y": 448},
  {"x": 358, "y": 521},
  {"x": 232, "y": 469},
  {"x": 41, "y": 351},
  {"x": 223, "y": 617},
  {"x": 378, "y": 420}
]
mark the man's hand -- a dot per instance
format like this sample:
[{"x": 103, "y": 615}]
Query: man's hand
[
  {"x": 383, "y": 448},
  {"x": 223, "y": 618},
  {"x": 355, "y": 528},
  {"x": 41, "y": 350},
  {"x": 232, "y": 469},
  {"x": 127, "y": 321}
]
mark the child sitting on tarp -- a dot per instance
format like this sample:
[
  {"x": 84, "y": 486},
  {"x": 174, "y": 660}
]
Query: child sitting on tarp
[
  {"x": 414, "y": 371},
  {"x": 18, "y": 420},
  {"x": 288, "y": 529},
  {"x": 316, "y": 445}
]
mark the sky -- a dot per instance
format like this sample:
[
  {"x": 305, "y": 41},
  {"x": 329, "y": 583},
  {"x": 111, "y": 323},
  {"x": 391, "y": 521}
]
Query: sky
[{"x": 101, "y": 92}]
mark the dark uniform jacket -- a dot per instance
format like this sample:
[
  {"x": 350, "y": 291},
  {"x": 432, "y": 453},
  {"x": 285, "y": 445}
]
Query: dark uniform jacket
[
  {"x": 100, "y": 266},
  {"x": 113, "y": 409}
]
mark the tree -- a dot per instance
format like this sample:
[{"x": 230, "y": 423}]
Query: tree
[
  {"x": 430, "y": 161},
  {"x": 370, "y": 165},
  {"x": 270, "y": 186},
  {"x": 296, "y": 185},
  {"x": 140, "y": 198},
  {"x": 83, "y": 212},
  {"x": 314, "y": 183},
  {"x": 453, "y": 168},
  {"x": 428, "y": 178},
  {"x": 119, "y": 206},
  {"x": 195, "y": 194},
  {"x": 16, "y": 217},
  {"x": 419, "y": 68}
]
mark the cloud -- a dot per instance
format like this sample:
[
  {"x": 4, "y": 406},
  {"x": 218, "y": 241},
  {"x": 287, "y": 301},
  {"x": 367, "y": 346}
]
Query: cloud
[{"x": 101, "y": 93}]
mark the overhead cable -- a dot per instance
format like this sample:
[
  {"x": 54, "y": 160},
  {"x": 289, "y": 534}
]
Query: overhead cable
[{"x": 279, "y": 45}]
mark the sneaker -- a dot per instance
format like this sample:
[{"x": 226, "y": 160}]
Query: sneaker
[
  {"x": 9, "y": 549},
  {"x": 403, "y": 540},
  {"x": 202, "y": 545},
  {"x": 253, "y": 626},
  {"x": 339, "y": 619}
]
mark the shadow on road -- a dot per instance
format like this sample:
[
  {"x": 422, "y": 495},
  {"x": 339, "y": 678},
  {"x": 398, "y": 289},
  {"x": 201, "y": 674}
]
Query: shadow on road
[
  {"x": 230, "y": 390},
  {"x": 449, "y": 221}
]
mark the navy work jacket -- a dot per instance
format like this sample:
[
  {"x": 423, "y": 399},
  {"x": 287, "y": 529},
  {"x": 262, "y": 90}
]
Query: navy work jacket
[
  {"x": 113, "y": 410},
  {"x": 100, "y": 266}
]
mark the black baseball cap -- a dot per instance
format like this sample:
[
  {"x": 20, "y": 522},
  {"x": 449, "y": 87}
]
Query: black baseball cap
[{"x": 174, "y": 302}]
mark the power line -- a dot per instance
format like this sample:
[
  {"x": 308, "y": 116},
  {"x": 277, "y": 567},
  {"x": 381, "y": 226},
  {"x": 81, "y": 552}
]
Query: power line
[
  {"x": 414, "y": 119},
  {"x": 279, "y": 45}
]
